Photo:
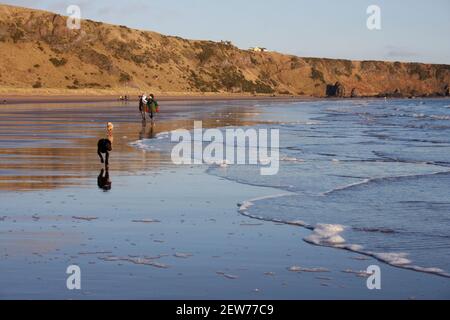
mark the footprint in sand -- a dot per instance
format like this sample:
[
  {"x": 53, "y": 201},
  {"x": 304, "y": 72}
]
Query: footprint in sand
[
  {"x": 85, "y": 218},
  {"x": 228, "y": 276},
  {"x": 302, "y": 269},
  {"x": 182, "y": 255},
  {"x": 146, "y": 221}
]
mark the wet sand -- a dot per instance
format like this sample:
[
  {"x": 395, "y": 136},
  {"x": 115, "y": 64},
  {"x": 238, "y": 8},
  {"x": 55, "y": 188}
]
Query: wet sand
[
  {"x": 162, "y": 231},
  {"x": 181, "y": 97}
]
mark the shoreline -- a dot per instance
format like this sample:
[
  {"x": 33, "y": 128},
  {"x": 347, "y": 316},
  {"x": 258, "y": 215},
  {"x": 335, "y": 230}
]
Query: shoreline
[
  {"x": 14, "y": 99},
  {"x": 39, "y": 99}
]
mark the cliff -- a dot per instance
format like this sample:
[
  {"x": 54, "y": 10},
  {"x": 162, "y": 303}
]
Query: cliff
[{"x": 38, "y": 53}]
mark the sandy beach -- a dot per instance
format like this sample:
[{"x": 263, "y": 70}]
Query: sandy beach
[
  {"x": 162, "y": 231},
  {"x": 57, "y": 98}
]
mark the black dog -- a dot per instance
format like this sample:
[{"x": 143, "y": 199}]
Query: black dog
[{"x": 104, "y": 146}]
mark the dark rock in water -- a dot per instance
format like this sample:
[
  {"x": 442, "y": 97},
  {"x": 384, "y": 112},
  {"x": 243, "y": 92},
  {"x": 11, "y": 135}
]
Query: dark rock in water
[
  {"x": 354, "y": 93},
  {"x": 397, "y": 93},
  {"x": 393, "y": 94},
  {"x": 336, "y": 90},
  {"x": 442, "y": 92},
  {"x": 413, "y": 94}
]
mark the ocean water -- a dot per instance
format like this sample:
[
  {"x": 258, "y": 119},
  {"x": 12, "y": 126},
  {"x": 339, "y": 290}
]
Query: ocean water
[{"x": 370, "y": 176}]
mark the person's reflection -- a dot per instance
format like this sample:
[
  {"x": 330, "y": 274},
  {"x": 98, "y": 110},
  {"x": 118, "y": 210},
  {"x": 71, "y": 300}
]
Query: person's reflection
[
  {"x": 103, "y": 180},
  {"x": 147, "y": 131}
]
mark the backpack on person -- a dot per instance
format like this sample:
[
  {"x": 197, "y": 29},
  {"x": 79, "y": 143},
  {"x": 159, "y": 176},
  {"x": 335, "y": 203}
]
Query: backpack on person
[{"x": 153, "y": 105}]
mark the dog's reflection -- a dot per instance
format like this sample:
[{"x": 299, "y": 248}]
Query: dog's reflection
[
  {"x": 147, "y": 131},
  {"x": 103, "y": 180}
]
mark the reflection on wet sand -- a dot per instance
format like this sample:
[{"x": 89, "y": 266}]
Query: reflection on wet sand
[
  {"x": 50, "y": 146},
  {"x": 148, "y": 130},
  {"x": 103, "y": 179}
]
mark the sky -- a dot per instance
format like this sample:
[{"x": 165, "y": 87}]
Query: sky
[{"x": 411, "y": 30}]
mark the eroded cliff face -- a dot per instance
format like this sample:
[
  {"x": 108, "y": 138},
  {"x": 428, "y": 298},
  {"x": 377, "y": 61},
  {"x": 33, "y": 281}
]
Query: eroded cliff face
[{"x": 38, "y": 51}]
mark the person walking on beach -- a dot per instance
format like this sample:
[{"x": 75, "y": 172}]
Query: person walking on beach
[
  {"x": 142, "y": 105},
  {"x": 152, "y": 106}
]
